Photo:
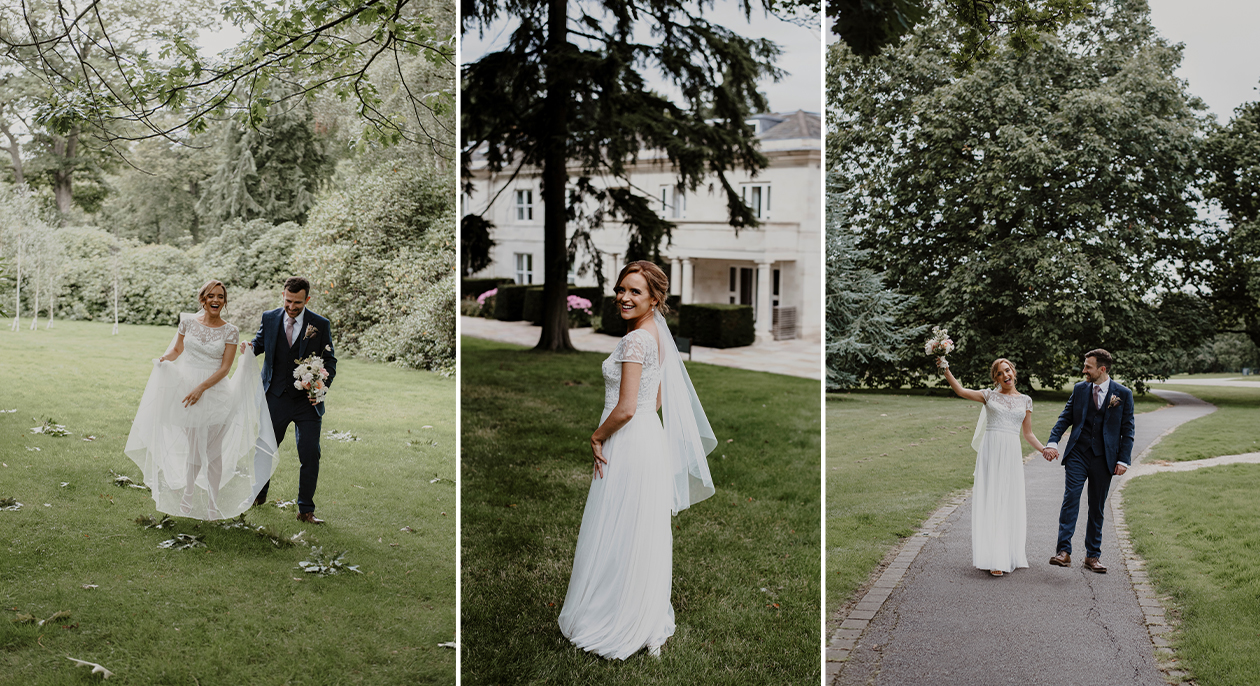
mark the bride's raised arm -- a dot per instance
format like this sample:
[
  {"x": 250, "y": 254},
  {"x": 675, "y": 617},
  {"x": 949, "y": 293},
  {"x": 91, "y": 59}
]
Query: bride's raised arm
[{"x": 953, "y": 383}]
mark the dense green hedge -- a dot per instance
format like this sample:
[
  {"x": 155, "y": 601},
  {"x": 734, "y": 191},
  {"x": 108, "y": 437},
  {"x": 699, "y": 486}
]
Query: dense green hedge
[
  {"x": 509, "y": 302},
  {"x": 471, "y": 288},
  {"x": 532, "y": 305},
  {"x": 716, "y": 325}
]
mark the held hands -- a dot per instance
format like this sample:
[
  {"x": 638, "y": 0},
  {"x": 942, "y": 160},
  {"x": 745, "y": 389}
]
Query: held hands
[
  {"x": 1050, "y": 454},
  {"x": 597, "y": 448}
]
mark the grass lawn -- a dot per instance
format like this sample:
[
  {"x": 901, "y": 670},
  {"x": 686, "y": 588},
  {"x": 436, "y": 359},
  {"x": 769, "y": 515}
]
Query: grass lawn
[
  {"x": 746, "y": 562},
  {"x": 1200, "y": 534},
  {"x": 237, "y": 611},
  {"x": 1230, "y": 430},
  {"x": 892, "y": 459}
]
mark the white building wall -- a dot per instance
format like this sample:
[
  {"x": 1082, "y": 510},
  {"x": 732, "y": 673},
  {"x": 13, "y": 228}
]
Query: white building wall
[{"x": 789, "y": 238}]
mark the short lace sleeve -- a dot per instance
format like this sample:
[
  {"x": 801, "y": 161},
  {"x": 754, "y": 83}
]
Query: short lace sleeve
[
  {"x": 183, "y": 323},
  {"x": 233, "y": 335},
  {"x": 633, "y": 347},
  {"x": 985, "y": 392},
  {"x": 1027, "y": 404}
]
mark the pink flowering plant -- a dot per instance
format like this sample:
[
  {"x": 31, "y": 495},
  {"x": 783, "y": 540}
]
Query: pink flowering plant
[
  {"x": 579, "y": 311},
  {"x": 486, "y": 302},
  {"x": 580, "y": 304}
]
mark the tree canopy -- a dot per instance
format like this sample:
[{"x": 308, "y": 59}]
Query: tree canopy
[{"x": 1038, "y": 206}]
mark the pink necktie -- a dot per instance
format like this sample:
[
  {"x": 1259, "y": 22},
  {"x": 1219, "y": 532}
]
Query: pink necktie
[
  {"x": 1098, "y": 397},
  {"x": 288, "y": 326}
]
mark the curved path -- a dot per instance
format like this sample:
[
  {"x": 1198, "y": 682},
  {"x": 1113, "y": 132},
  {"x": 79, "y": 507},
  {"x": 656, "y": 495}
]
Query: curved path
[{"x": 932, "y": 618}]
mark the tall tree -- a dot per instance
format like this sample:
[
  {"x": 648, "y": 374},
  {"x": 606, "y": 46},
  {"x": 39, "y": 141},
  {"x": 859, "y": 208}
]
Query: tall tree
[
  {"x": 547, "y": 102},
  {"x": 865, "y": 320},
  {"x": 269, "y": 172},
  {"x": 1038, "y": 205},
  {"x": 1232, "y": 252}
]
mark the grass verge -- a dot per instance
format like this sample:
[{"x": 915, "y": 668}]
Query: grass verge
[
  {"x": 1200, "y": 535},
  {"x": 237, "y": 610},
  {"x": 746, "y": 565},
  {"x": 1230, "y": 430}
]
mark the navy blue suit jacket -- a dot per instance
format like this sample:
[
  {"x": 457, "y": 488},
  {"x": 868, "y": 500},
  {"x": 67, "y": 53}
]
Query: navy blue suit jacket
[
  {"x": 271, "y": 330},
  {"x": 1117, "y": 424}
]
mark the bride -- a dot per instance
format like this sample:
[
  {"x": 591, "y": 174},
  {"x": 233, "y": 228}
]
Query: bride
[
  {"x": 204, "y": 441},
  {"x": 618, "y": 600},
  {"x": 999, "y": 516}
]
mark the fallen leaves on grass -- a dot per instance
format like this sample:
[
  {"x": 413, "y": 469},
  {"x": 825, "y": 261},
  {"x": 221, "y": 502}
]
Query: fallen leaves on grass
[
  {"x": 32, "y": 450},
  {"x": 182, "y": 542},
  {"x": 343, "y": 436},
  {"x": 407, "y": 530},
  {"x": 448, "y": 644},
  {"x": 96, "y": 669},
  {"x": 8, "y": 411},
  {"x": 32, "y": 619},
  {"x": 124, "y": 481},
  {"x": 325, "y": 564},
  {"x": 151, "y": 522},
  {"x": 437, "y": 479},
  {"x": 89, "y": 439},
  {"x": 50, "y": 428},
  {"x": 262, "y": 531},
  {"x": 10, "y": 504},
  {"x": 282, "y": 504},
  {"x": 88, "y": 587}
]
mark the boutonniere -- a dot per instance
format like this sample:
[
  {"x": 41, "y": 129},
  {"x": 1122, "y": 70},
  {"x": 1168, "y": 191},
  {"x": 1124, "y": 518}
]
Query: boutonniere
[
  {"x": 310, "y": 331},
  {"x": 1115, "y": 400}
]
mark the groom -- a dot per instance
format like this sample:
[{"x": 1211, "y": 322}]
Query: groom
[
  {"x": 286, "y": 335},
  {"x": 1100, "y": 412}
]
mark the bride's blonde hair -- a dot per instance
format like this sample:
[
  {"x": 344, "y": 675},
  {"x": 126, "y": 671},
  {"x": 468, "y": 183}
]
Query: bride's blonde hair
[
  {"x": 993, "y": 370},
  {"x": 658, "y": 283}
]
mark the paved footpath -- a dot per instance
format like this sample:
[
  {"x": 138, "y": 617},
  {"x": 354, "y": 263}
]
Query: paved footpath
[{"x": 932, "y": 618}]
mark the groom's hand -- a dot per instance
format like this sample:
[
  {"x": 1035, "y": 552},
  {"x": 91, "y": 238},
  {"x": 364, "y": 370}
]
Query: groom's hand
[
  {"x": 1050, "y": 454},
  {"x": 244, "y": 345},
  {"x": 1121, "y": 468}
]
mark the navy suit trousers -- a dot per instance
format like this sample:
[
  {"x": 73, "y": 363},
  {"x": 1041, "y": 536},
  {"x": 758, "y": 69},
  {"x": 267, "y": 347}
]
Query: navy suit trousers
[
  {"x": 1084, "y": 467},
  {"x": 293, "y": 408}
]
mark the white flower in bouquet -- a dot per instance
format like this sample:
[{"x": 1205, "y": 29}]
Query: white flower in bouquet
[{"x": 310, "y": 375}]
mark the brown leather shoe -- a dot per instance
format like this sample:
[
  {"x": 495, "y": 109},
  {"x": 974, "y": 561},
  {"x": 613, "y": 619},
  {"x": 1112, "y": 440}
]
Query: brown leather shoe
[
  {"x": 309, "y": 518},
  {"x": 1063, "y": 559},
  {"x": 1093, "y": 565}
]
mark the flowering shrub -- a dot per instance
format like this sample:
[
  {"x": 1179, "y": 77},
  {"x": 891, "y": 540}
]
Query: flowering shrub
[
  {"x": 481, "y": 299},
  {"x": 580, "y": 304}
]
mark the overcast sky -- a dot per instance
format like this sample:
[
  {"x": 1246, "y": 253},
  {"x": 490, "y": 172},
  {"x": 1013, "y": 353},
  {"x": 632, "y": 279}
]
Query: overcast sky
[
  {"x": 800, "y": 89},
  {"x": 1221, "y": 60}
]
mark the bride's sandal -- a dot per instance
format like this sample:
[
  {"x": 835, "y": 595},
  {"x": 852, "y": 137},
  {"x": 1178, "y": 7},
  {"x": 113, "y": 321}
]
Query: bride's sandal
[
  {"x": 185, "y": 504},
  {"x": 654, "y": 651},
  {"x": 995, "y": 572}
]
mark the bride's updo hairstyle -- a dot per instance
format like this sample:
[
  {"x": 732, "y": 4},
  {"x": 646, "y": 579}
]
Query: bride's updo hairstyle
[
  {"x": 994, "y": 370},
  {"x": 205, "y": 291},
  {"x": 658, "y": 283}
]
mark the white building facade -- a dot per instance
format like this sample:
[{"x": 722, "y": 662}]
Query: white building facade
[{"x": 776, "y": 268}]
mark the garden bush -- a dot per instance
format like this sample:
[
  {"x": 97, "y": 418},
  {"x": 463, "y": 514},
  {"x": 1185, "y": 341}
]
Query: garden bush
[
  {"x": 717, "y": 325},
  {"x": 509, "y": 302}
]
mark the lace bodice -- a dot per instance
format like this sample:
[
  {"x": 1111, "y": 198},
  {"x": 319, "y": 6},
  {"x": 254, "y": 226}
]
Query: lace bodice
[
  {"x": 1005, "y": 412},
  {"x": 637, "y": 346},
  {"x": 203, "y": 345}
]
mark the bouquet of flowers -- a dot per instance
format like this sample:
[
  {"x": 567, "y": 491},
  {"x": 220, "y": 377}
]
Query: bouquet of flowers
[
  {"x": 310, "y": 376},
  {"x": 940, "y": 344}
]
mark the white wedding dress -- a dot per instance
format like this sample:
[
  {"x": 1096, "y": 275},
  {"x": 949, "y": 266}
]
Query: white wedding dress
[
  {"x": 618, "y": 600},
  {"x": 208, "y": 460},
  {"x": 999, "y": 515}
]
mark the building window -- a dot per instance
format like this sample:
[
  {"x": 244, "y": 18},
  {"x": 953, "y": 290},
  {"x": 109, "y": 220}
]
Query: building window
[
  {"x": 673, "y": 203},
  {"x": 525, "y": 205},
  {"x": 774, "y": 299},
  {"x": 757, "y": 197},
  {"x": 743, "y": 286},
  {"x": 524, "y": 267}
]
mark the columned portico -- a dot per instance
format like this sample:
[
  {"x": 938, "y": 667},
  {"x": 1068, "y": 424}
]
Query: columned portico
[
  {"x": 688, "y": 273},
  {"x": 765, "y": 313},
  {"x": 675, "y": 276}
]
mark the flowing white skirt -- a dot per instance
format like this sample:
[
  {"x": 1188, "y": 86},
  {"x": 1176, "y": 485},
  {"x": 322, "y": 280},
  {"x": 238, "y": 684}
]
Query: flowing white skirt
[
  {"x": 210, "y": 460},
  {"x": 619, "y": 594},
  {"x": 999, "y": 515}
]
